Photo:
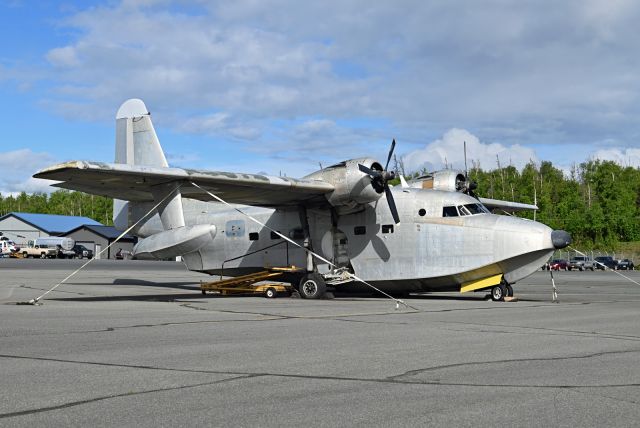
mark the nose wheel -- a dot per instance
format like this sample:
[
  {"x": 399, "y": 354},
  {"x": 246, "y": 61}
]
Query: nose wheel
[
  {"x": 509, "y": 290},
  {"x": 500, "y": 291}
]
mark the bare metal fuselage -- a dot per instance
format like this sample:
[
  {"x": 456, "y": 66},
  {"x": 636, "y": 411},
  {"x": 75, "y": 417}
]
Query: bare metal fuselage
[{"x": 425, "y": 252}]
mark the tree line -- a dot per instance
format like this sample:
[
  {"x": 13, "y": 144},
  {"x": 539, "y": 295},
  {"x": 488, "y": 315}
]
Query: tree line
[
  {"x": 63, "y": 202},
  {"x": 597, "y": 201}
]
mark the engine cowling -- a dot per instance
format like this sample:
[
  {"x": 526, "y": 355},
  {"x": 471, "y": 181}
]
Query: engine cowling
[
  {"x": 352, "y": 186},
  {"x": 447, "y": 180}
]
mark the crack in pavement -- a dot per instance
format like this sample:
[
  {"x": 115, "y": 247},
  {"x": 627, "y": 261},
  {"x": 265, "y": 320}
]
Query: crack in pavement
[
  {"x": 522, "y": 333},
  {"x": 265, "y": 317},
  {"x": 416, "y": 372},
  {"x": 126, "y": 394},
  {"x": 614, "y": 399},
  {"x": 546, "y": 329},
  {"x": 397, "y": 379},
  {"x": 125, "y": 327},
  {"x": 306, "y": 317}
]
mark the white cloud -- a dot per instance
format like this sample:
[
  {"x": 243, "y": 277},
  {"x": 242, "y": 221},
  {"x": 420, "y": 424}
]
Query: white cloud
[
  {"x": 295, "y": 79},
  {"x": 449, "y": 151},
  {"x": 208, "y": 124},
  {"x": 63, "y": 57},
  {"x": 17, "y": 167},
  {"x": 622, "y": 156}
]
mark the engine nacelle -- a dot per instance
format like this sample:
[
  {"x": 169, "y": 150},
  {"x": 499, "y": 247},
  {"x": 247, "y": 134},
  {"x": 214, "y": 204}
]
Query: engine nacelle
[
  {"x": 352, "y": 186},
  {"x": 447, "y": 180}
]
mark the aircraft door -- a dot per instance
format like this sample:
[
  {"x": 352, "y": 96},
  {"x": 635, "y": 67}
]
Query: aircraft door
[{"x": 335, "y": 247}]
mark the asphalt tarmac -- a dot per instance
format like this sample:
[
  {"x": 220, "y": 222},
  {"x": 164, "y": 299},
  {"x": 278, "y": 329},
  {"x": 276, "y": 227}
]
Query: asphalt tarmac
[{"x": 128, "y": 343}]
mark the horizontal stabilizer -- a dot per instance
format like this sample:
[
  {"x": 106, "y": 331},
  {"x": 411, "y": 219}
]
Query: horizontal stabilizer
[
  {"x": 136, "y": 183},
  {"x": 506, "y": 205},
  {"x": 175, "y": 242}
]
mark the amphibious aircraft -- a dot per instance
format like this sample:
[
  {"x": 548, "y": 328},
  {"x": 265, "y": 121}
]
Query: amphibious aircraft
[{"x": 344, "y": 226}]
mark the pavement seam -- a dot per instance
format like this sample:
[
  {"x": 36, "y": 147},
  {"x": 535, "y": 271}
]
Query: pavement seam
[
  {"x": 389, "y": 380},
  {"x": 126, "y": 394},
  {"x": 520, "y": 360}
]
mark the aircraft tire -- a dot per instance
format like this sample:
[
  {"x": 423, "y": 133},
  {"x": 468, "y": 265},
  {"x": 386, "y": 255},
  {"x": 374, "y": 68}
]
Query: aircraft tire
[
  {"x": 498, "y": 292},
  {"x": 312, "y": 286},
  {"x": 509, "y": 290},
  {"x": 270, "y": 293}
]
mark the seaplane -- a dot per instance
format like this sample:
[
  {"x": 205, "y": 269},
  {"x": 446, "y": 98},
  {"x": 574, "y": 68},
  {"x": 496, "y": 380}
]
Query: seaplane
[{"x": 342, "y": 228}]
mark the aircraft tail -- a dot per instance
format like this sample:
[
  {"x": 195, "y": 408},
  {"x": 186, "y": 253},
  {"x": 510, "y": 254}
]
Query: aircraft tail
[{"x": 138, "y": 144}]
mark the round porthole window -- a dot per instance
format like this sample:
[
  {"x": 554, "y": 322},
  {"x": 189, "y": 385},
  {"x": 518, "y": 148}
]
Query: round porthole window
[{"x": 422, "y": 212}]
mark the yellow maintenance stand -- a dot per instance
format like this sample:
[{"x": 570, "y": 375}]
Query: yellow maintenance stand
[{"x": 245, "y": 284}]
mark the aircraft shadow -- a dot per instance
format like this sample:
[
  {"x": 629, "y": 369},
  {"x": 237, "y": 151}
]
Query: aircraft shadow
[{"x": 132, "y": 298}]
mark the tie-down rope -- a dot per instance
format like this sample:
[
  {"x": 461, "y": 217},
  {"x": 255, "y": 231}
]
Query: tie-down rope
[
  {"x": 37, "y": 299},
  {"x": 319, "y": 257}
]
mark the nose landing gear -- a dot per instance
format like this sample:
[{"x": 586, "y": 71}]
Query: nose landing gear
[{"x": 500, "y": 291}]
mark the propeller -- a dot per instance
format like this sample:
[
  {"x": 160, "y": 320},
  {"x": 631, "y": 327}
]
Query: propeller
[{"x": 380, "y": 182}]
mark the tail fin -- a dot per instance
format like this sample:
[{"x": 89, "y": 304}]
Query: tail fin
[
  {"x": 138, "y": 144},
  {"x": 136, "y": 140}
]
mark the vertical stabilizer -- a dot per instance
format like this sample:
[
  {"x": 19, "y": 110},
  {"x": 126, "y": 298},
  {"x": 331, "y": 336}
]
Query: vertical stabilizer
[
  {"x": 136, "y": 140},
  {"x": 138, "y": 144}
]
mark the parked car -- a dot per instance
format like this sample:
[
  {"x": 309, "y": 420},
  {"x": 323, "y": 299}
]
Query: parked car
[
  {"x": 626, "y": 264},
  {"x": 82, "y": 252},
  {"x": 581, "y": 263},
  {"x": 558, "y": 264},
  {"x": 606, "y": 261}
]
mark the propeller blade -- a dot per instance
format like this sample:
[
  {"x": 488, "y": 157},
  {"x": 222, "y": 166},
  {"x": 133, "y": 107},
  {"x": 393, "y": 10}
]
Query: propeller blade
[
  {"x": 370, "y": 172},
  {"x": 393, "y": 146},
  {"x": 392, "y": 204}
]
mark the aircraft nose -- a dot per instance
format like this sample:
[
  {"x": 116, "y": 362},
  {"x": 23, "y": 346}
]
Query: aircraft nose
[{"x": 560, "y": 239}]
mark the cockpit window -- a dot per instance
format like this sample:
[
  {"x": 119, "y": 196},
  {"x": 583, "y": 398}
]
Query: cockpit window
[
  {"x": 449, "y": 212},
  {"x": 463, "y": 210},
  {"x": 471, "y": 209}
]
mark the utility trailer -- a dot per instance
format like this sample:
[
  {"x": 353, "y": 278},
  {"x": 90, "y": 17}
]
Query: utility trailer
[{"x": 247, "y": 284}]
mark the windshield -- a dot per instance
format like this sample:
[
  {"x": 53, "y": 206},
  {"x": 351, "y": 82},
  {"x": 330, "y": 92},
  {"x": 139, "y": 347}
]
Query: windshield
[{"x": 471, "y": 209}]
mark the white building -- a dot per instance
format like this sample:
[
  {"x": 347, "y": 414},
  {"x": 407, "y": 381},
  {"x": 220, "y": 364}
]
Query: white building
[{"x": 23, "y": 227}]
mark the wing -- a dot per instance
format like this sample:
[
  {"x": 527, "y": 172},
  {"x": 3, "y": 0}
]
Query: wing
[
  {"x": 506, "y": 205},
  {"x": 134, "y": 183}
]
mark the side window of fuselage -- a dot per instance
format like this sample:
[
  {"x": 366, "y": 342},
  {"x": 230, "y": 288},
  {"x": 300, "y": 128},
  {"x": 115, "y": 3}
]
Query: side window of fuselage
[{"x": 449, "y": 212}]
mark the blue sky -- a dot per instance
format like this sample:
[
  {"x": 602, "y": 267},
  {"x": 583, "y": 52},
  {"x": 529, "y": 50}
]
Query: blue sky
[{"x": 280, "y": 86}]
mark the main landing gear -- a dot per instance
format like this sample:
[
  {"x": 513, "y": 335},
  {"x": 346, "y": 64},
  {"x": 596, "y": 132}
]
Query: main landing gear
[
  {"x": 500, "y": 291},
  {"x": 312, "y": 286}
]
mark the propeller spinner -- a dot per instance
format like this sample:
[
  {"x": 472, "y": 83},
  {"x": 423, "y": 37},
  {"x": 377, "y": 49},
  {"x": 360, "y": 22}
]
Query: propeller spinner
[{"x": 380, "y": 182}]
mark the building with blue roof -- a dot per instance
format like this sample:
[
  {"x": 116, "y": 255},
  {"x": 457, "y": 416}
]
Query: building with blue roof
[
  {"x": 23, "y": 227},
  {"x": 99, "y": 237}
]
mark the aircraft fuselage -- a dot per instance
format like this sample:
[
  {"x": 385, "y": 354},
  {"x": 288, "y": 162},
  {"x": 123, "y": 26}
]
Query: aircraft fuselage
[{"x": 425, "y": 252}]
